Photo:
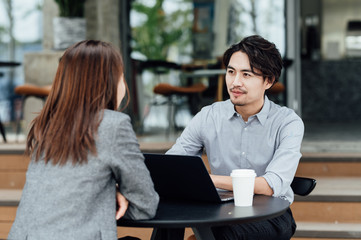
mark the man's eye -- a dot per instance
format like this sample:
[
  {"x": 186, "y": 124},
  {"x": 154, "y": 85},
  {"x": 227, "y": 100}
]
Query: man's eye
[{"x": 230, "y": 71}]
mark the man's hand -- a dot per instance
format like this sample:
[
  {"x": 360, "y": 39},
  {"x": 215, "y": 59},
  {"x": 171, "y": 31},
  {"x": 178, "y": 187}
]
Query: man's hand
[
  {"x": 225, "y": 182},
  {"x": 122, "y": 205},
  {"x": 261, "y": 187}
]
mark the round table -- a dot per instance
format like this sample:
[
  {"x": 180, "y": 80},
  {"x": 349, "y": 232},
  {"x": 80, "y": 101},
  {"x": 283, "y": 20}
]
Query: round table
[{"x": 173, "y": 216}]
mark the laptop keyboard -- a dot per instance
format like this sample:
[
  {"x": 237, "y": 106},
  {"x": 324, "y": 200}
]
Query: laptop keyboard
[{"x": 225, "y": 195}]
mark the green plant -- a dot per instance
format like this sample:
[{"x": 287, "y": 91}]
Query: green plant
[
  {"x": 161, "y": 30},
  {"x": 71, "y": 8}
]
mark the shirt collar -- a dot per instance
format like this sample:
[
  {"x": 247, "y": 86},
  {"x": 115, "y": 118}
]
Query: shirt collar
[
  {"x": 230, "y": 111},
  {"x": 261, "y": 116}
]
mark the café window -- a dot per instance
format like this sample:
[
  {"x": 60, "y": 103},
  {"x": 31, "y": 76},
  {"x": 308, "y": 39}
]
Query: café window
[
  {"x": 331, "y": 56},
  {"x": 20, "y": 32}
]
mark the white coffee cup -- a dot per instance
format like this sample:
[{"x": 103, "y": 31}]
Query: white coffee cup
[{"x": 243, "y": 186}]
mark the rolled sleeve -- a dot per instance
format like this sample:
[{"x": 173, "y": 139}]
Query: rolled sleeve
[{"x": 280, "y": 172}]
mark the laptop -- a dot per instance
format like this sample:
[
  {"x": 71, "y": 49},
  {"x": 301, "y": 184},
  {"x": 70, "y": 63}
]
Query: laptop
[{"x": 183, "y": 177}]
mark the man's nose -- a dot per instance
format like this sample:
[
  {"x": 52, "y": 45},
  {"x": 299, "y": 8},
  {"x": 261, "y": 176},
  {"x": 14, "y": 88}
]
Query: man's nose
[{"x": 238, "y": 81}]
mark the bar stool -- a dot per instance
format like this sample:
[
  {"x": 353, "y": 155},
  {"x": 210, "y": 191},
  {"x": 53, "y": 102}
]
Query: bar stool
[
  {"x": 30, "y": 90},
  {"x": 277, "y": 88},
  {"x": 170, "y": 92}
]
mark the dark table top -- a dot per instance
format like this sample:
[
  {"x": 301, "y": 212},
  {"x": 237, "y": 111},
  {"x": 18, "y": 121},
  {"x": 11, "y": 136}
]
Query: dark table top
[{"x": 172, "y": 214}]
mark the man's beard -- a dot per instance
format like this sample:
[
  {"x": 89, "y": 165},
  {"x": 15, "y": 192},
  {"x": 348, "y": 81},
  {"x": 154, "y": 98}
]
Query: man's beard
[
  {"x": 238, "y": 104},
  {"x": 235, "y": 99}
]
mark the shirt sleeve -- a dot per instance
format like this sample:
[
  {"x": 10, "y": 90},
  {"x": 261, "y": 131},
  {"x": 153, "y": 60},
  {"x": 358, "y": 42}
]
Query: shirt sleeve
[
  {"x": 132, "y": 175},
  {"x": 190, "y": 141},
  {"x": 282, "y": 168}
]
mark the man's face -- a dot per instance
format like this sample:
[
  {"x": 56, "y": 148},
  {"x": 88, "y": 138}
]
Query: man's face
[{"x": 245, "y": 88}]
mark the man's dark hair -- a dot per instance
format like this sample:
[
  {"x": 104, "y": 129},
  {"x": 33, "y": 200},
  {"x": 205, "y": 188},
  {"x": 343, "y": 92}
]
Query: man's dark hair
[{"x": 263, "y": 56}]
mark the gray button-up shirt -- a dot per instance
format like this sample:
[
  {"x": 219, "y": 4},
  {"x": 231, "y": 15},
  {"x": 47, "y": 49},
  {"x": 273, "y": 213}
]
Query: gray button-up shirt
[{"x": 269, "y": 142}]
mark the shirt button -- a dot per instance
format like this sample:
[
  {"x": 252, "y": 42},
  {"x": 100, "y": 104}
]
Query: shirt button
[
  {"x": 245, "y": 129},
  {"x": 243, "y": 153}
]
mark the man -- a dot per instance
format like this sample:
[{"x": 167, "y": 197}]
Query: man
[{"x": 249, "y": 131}]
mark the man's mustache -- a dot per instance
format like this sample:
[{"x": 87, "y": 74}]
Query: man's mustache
[{"x": 238, "y": 89}]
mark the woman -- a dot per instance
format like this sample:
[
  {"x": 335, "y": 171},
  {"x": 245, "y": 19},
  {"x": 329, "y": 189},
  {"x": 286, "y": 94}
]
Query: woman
[{"x": 81, "y": 148}]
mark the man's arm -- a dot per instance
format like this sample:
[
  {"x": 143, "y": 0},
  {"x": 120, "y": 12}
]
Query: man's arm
[
  {"x": 225, "y": 182},
  {"x": 190, "y": 141}
]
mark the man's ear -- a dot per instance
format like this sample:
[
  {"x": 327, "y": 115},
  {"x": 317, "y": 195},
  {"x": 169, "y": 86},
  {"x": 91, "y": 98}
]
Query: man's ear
[{"x": 269, "y": 82}]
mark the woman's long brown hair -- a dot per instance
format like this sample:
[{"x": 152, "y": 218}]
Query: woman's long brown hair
[{"x": 85, "y": 84}]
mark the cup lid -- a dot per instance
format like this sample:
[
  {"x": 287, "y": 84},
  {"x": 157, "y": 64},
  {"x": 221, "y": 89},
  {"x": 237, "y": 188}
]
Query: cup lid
[{"x": 243, "y": 173}]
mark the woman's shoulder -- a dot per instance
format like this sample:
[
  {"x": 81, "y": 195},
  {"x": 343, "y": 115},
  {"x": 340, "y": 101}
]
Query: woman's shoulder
[
  {"x": 114, "y": 121},
  {"x": 110, "y": 115}
]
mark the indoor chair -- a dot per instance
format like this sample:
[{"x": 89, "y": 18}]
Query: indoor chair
[
  {"x": 30, "y": 90},
  {"x": 275, "y": 92},
  {"x": 171, "y": 92},
  {"x": 276, "y": 89},
  {"x": 303, "y": 186}
]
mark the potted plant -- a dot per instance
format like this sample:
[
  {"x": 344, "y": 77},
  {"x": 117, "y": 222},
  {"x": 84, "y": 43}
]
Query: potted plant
[{"x": 70, "y": 26}]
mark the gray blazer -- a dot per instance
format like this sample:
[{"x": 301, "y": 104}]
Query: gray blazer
[{"x": 78, "y": 202}]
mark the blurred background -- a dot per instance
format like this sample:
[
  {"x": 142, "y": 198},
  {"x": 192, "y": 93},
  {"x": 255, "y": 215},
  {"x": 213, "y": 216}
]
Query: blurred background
[
  {"x": 181, "y": 43},
  {"x": 170, "y": 40}
]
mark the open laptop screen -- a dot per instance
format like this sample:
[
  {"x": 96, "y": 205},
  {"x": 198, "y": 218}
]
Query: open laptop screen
[{"x": 181, "y": 177}]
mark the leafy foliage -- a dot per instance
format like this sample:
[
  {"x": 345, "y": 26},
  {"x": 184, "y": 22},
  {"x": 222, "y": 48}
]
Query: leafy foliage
[{"x": 160, "y": 31}]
